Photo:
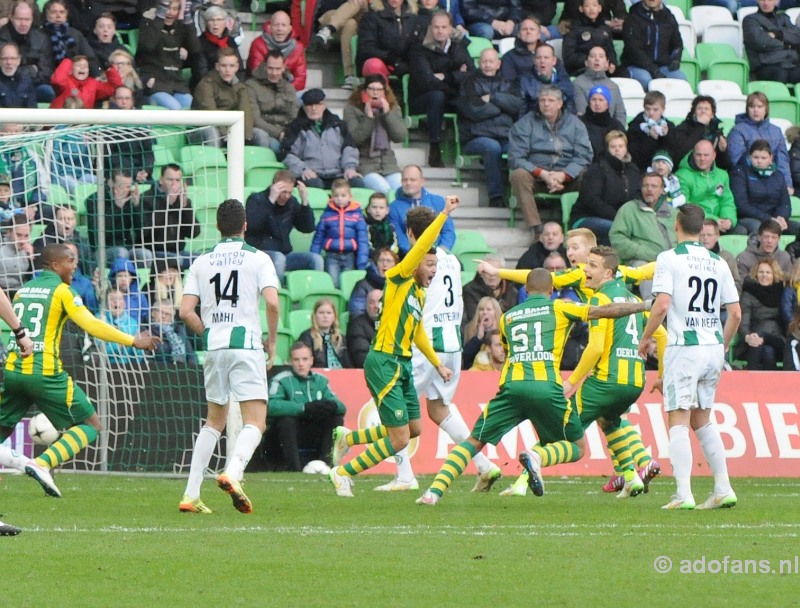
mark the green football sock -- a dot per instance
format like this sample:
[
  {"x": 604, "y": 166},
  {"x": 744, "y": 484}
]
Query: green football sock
[
  {"x": 375, "y": 453},
  {"x": 558, "y": 452},
  {"x": 457, "y": 461},
  {"x": 370, "y": 434},
  {"x": 72, "y": 441}
]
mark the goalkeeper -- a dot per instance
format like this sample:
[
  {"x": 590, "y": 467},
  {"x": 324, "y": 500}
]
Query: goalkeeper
[
  {"x": 43, "y": 305},
  {"x": 303, "y": 411}
]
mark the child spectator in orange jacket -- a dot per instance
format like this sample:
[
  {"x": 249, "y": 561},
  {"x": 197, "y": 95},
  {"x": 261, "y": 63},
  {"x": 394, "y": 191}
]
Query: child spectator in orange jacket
[{"x": 71, "y": 79}]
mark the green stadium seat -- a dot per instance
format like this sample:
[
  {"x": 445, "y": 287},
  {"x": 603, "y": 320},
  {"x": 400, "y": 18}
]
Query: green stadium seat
[
  {"x": 568, "y": 200},
  {"x": 734, "y": 243},
  {"x": 472, "y": 242},
  {"x": 344, "y": 320},
  {"x": 795, "y": 208},
  {"x": 209, "y": 235},
  {"x": 194, "y": 158},
  {"x": 257, "y": 156},
  {"x": 301, "y": 241},
  {"x": 282, "y": 344},
  {"x": 361, "y": 196},
  {"x": 210, "y": 177},
  {"x": 691, "y": 68},
  {"x": 786, "y": 240},
  {"x": 734, "y": 70},
  {"x": 708, "y": 52},
  {"x": 58, "y": 195},
  {"x": 79, "y": 196},
  {"x": 476, "y": 46},
  {"x": 260, "y": 177},
  {"x": 299, "y": 321},
  {"x": 318, "y": 198},
  {"x": 468, "y": 263},
  {"x": 307, "y": 286},
  {"x": 205, "y": 198},
  {"x": 467, "y": 276},
  {"x": 348, "y": 280},
  {"x": 770, "y": 88}
]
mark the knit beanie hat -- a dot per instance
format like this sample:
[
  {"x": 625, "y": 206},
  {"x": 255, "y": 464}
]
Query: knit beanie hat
[
  {"x": 665, "y": 156},
  {"x": 603, "y": 90}
]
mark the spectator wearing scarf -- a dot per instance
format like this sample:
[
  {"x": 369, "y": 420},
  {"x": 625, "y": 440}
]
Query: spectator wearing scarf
[{"x": 277, "y": 36}]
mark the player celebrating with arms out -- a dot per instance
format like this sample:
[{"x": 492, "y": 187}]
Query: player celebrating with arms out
[
  {"x": 534, "y": 333},
  {"x": 442, "y": 314},
  {"x": 692, "y": 285},
  {"x": 227, "y": 283},
  {"x": 387, "y": 368},
  {"x": 44, "y": 304},
  {"x": 580, "y": 242}
]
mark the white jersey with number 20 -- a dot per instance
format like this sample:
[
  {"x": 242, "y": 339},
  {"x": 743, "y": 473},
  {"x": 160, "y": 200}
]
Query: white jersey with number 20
[
  {"x": 228, "y": 280},
  {"x": 699, "y": 282}
]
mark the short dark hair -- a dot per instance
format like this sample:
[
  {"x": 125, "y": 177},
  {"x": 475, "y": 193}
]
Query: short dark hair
[
  {"x": 172, "y": 167},
  {"x": 275, "y": 54},
  {"x": 690, "y": 218},
  {"x": 231, "y": 217},
  {"x": 539, "y": 281},
  {"x": 760, "y": 145},
  {"x": 53, "y": 253},
  {"x": 298, "y": 345},
  {"x": 654, "y": 97},
  {"x": 770, "y": 226},
  {"x": 418, "y": 219},
  {"x": 712, "y": 223},
  {"x": 228, "y": 52},
  {"x": 610, "y": 257},
  {"x": 704, "y": 98}
]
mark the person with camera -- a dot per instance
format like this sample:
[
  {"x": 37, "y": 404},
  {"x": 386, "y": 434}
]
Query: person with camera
[
  {"x": 303, "y": 411},
  {"x": 375, "y": 121},
  {"x": 701, "y": 123}
]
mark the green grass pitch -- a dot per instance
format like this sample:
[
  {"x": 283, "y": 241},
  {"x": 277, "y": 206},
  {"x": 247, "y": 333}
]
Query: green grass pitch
[{"x": 120, "y": 541}]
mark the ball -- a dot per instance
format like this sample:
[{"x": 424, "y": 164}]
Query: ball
[
  {"x": 316, "y": 467},
  {"x": 41, "y": 430}
]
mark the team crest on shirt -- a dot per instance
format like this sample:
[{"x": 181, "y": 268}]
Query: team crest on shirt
[
  {"x": 77, "y": 301},
  {"x": 398, "y": 414}
]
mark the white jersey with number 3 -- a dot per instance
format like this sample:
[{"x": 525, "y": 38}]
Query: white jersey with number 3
[
  {"x": 228, "y": 280},
  {"x": 444, "y": 304},
  {"x": 699, "y": 282}
]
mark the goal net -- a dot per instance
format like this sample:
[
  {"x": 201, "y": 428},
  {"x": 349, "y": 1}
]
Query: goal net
[{"x": 136, "y": 192}]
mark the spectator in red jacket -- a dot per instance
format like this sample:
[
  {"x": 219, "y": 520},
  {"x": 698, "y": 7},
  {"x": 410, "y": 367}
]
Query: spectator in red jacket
[
  {"x": 277, "y": 36},
  {"x": 71, "y": 79}
]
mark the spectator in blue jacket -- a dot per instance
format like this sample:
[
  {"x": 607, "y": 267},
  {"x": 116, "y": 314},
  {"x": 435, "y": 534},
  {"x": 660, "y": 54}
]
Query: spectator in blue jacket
[
  {"x": 123, "y": 277},
  {"x": 342, "y": 233},
  {"x": 759, "y": 190},
  {"x": 271, "y": 217},
  {"x": 491, "y": 18},
  {"x": 16, "y": 88},
  {"x": 411, "y": 194},
  {"x": 117, "y": 315},
  {"x": 753, "y": 125}
]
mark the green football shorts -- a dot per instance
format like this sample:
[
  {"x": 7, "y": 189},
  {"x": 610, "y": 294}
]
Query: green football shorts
[
  {"x": 391, "y": 385},
  {"x": 58, "y": 397}
]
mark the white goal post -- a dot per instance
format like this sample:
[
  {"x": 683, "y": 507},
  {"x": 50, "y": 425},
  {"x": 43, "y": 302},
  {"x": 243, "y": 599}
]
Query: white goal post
[{"x": 233, "y": 120}]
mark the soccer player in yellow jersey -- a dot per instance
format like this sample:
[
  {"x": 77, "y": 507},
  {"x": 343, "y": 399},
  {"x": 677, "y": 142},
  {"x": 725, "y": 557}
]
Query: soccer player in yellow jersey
[
  {"x": 534, "y": 333},
  {"x": 43, "y": 305},
  {"x": 387, "y": 368},
  {"x": 610, "y": 374},
  {"x": 580, "y": 242}
]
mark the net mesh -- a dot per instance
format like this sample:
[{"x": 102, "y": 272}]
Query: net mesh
[{"x": 133, "y": 233}]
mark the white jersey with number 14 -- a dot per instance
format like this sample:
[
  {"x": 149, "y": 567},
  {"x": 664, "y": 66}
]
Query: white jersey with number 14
[
  {"x": 229, "y": 280},
  {"x": 700, "y": 283}
]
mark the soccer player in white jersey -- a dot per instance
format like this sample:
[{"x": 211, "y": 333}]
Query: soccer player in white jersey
[
  {"x": 227, "y": 282},
  {"x": 442, "y": 314},
  {"x": 692, "y": 284}
]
